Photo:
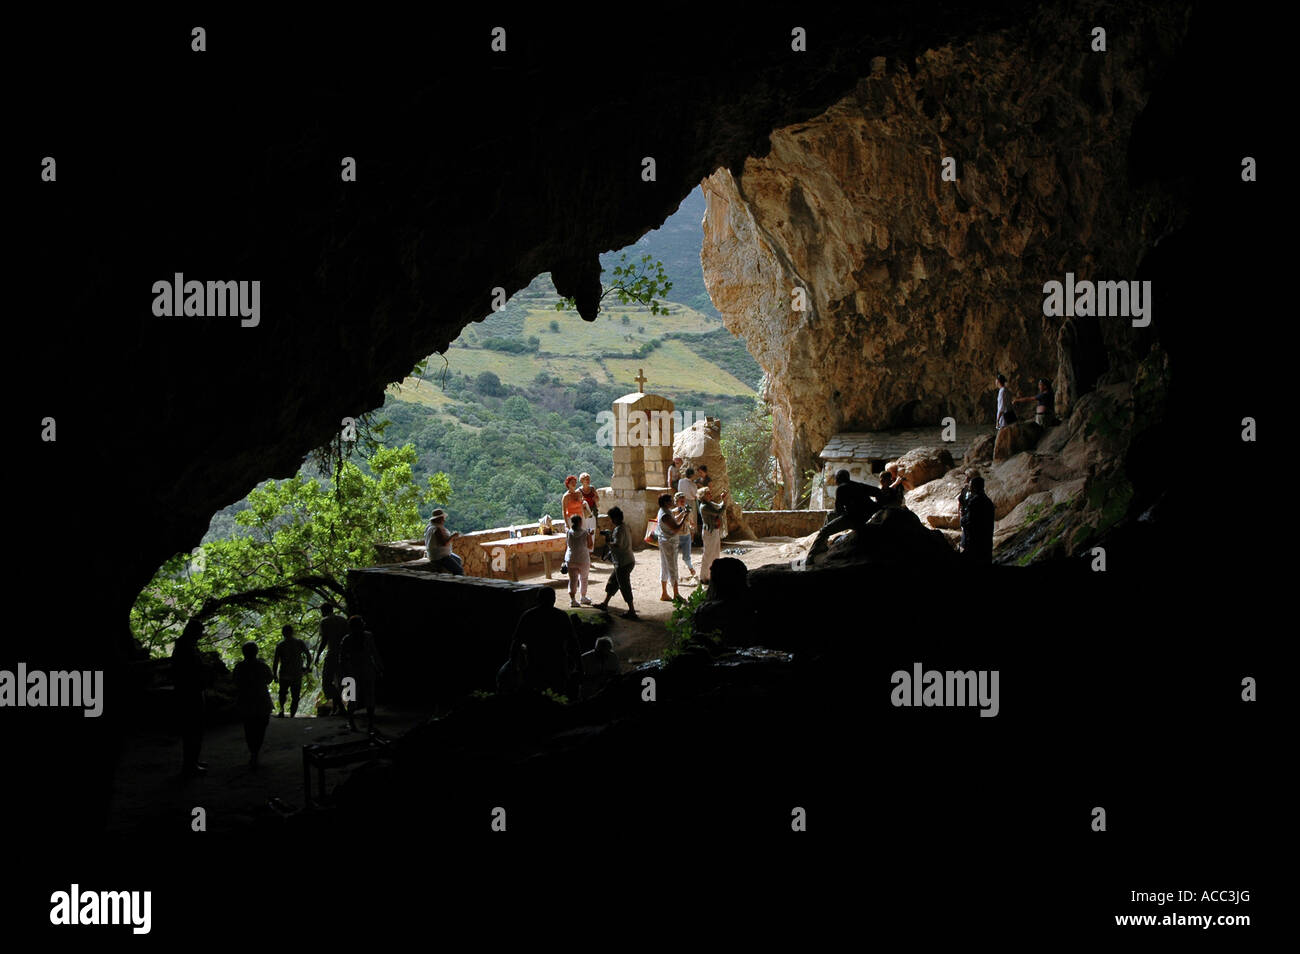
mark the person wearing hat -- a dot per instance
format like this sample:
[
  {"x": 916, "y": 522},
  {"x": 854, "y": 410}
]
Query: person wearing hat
[{"x": 437, "y": 544}]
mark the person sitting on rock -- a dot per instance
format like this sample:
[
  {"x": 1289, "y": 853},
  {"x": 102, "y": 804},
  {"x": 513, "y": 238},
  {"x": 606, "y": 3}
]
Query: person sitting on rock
[
  {"x": 437, "y": 545},
  {"x": 544, "y": 637},
  {"x": 977, "y": 517},
  {"x": 729, "y": 611},
  {"x": 854, "y": 505},
  {"x": 597, "y": 668},
  {"x": 891, "y": 489}
]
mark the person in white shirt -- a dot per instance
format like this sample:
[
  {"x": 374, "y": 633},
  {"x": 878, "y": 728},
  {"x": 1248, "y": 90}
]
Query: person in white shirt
[
  {"x": 690, "y": 490},
  {"x": 1005, "y": 414},
  {"x": 668, "y": 529},
  {"x": 437, "y": 545},
  {"x": 578, "y": 557},
  {"x": 712, "y": 517}
]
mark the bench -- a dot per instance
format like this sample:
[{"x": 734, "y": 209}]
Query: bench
[{"x": 320, "y": 757}]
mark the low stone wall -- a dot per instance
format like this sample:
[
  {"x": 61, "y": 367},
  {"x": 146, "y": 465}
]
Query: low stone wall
[
  {"x": 438, "y": 635},
  {"x": 476, "y": 559},
  {"x": 785, "y": 523}
]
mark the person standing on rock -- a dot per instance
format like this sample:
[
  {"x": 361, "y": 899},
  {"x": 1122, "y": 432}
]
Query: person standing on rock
[
  {"x": 854, "y": 504},
  {"x": 977, "y": 517},
  {"x": 252, "y": 683},
  {"x": 668, "y": 532},
  {"x": 711, "y": 517},
  {"x": 332, "y": 630},
  {"x": 620, "y": 554},
  {"x": 1006, "y": 415},
  {"x": 291, "y": 658},
  {"x": 1045, "y": 401}
]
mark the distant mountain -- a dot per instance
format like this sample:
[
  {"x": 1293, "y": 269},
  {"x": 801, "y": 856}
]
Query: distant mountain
[{"x": 677, "y": 244}]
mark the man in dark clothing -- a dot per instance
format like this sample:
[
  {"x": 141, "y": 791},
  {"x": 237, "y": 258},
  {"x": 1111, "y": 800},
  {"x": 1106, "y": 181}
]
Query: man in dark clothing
[
  {"x": 552, "y": 647},
  {"x": 190, "y": 676},
  {"x": 292, "y": 658},
  {"x": 332, "y": 630},
  {"x": 977, "y": 524},
  {"x": 854, "y": 505}
]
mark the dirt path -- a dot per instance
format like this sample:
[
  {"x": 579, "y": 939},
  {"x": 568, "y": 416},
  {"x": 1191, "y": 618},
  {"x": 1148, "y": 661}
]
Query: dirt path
[
  {"x": 149, "y": 793},
  {"x": 645, "y": 639}
]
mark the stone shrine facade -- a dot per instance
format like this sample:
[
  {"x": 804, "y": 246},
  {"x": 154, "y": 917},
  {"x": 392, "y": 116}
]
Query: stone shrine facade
[{"x": 642, "y": 438}]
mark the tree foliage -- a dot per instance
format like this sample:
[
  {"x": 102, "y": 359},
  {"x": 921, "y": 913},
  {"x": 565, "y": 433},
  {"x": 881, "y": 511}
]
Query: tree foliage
[
  {"x": 298, "y": 539},
  {"x": 751, "y": 467},
  {"x": 643, "y": 281}
]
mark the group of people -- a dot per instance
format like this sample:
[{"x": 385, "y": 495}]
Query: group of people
[
  {"x": 855, "y": 504},
  {"x": 349, "y": 651},
  {"x": 544, "y": 654},
  {"x": 688, "y": 514},
  {"x": 1044, "y": 401}
]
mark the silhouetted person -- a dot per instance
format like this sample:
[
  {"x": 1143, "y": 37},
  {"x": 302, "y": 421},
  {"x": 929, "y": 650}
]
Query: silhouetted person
[
  {"x": 620, "y": 554},
  {"x": 359, "y": 660},
  {"x": 253, "y": 699},
  {"x": 977, "y": 524},
  {"x": 291, "y": 660},
  {"x": 190, "y": 676},
  {"x": 854, "y": 505},
  {"x": 332, "y": 630},
  {"x": 891, "y": 490},
  {"x": 729, "y": 610},
  {"x": 544, "y": 637},
  {"x": 597, "y": 668}
]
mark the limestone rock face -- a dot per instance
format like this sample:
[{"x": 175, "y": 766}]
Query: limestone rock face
[
  {"x": 920, "y": 466},
  {"x": 701, "y": 443},
  {"x": 918, "y": 290}
]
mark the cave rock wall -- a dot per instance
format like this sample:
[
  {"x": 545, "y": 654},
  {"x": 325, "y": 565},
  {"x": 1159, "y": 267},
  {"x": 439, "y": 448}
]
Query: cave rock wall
[{"x": 919, "y": 290}]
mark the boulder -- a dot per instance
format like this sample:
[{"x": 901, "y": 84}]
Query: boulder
[
  {"x": 1015, "y": 439},
  {"x": 936, "y": 502},
  {"x": 980, "y": 451},
  {"x": 920, "y": 466}
]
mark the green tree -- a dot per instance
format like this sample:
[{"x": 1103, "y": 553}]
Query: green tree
[
  {"x": 487, "y": 383},
  {"x": 747, "y": 446},
  {"x": 299, "y": 538},
  {"x": 643, "y": 282}
]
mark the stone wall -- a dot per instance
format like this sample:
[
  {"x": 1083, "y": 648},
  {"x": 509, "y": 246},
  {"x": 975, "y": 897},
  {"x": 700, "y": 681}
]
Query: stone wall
[
  {"x": 477, "y": 559},
  {"x": 785, "y": 523}
]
